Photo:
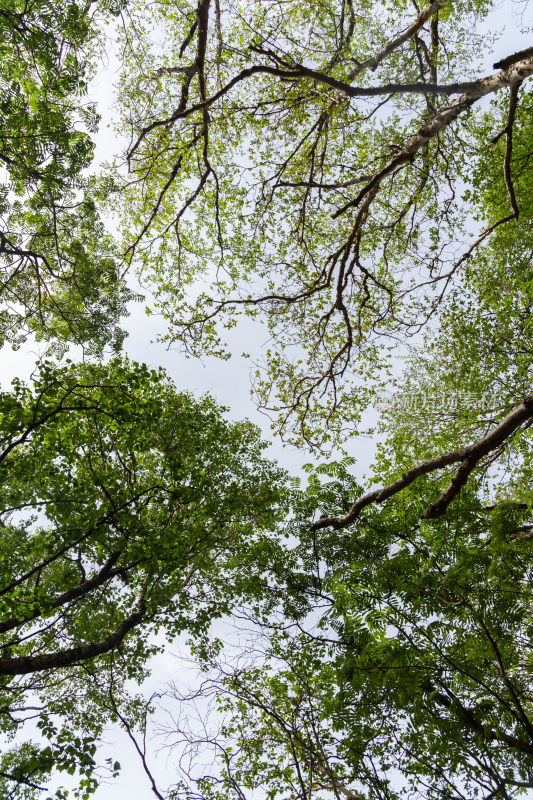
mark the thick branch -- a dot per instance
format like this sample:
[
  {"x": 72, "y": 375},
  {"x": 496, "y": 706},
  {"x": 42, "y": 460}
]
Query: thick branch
[
  {"x": 74, "y": 593},
  {"x": 66, "y": 658},
  {"x": 468, "y": 456},
  {"x": 510, "y": 60},
  {"x": 513, "y": 102},
  {"x": 477, "y": 89},
  {"x": 374, "y": 61},
  {"x": 10, "y": 249},
  {"x": 473, "y": 91}
]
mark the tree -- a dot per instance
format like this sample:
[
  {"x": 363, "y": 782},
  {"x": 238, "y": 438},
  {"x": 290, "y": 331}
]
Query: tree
[
  {"x": 127, "y": 509},
  {"x": 410, "y": 674},
  {"x": 351, "y": 176},
  {"x": 406, "y": 669},
  {"x": 60, "y": 273},
  {"x": 310, "y": 163}
]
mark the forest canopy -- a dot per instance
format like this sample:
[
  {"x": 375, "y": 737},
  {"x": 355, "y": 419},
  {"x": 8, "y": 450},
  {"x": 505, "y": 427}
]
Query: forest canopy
[
  {"x": 329, "y": 168},
  {"x": 355, "y": 178}
]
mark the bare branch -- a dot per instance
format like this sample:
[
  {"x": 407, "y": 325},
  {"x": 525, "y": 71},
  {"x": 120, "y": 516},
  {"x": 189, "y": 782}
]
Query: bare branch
[{"x": 141, "y": 751}]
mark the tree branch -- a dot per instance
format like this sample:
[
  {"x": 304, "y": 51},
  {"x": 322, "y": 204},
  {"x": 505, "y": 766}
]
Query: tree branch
[
  {"x": 477, "y": 89},
  {"x": 467, "y": 716},
  {"x": 73, "y": 593},
  {"x": 468, "y": 456},
  {"x": 374, "y": 61},
  {"x": 66, "y": 658},
  {"x": 513, "y": 101}
]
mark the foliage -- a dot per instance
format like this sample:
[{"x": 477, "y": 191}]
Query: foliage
[
  {"x": 477, "y": 361},
  {"x": 349, "y": 176},
  {"x": 410, "y": 674},
  {"x": 305, "y": 165},
  {"x": 127, "y": 509},
  {"x": 60, "y": 275}
]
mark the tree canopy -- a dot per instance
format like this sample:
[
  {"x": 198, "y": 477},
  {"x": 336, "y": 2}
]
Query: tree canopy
[
  {"x": 60, "y": 271},
  {"x": 416, "y": 679},
  {"x": 126, "y": 508},
  {"x": 357, "y": 178},
  {"x": 308, "y": 164}
]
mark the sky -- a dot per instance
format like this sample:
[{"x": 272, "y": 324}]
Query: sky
[{"x": 228, "y": 381}]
